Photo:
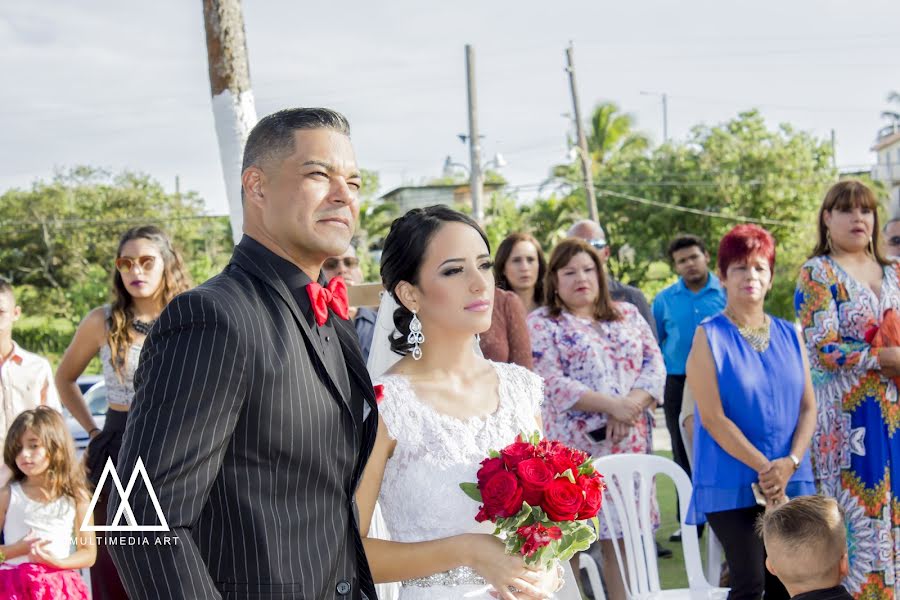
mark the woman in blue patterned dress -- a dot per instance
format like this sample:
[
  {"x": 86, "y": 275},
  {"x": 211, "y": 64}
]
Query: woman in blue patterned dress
[{"x": 842, "y": 294}]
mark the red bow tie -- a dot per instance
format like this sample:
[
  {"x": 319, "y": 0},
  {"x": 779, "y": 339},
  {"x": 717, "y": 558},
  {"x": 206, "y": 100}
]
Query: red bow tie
[{"x": 333, "y": 296}]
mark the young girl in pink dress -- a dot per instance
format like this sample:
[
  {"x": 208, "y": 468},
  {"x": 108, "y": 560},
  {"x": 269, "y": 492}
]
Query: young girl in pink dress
[{"x": 41, "y": 512}]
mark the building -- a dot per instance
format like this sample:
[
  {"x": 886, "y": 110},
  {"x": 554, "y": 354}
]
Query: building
[
  {"x": 420, "y": 196},
  {"x": 887, "y": 170}
]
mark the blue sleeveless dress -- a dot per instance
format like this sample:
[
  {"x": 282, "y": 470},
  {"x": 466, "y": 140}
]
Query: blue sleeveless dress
[{"x": 761, "y": 393}]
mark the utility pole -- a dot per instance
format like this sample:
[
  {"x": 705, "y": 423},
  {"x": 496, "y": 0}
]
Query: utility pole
[
  {"x": 476, "y": 180},
  {"x": 665, "y": 103},
  {"x": 232, "y": 99},
  {"x": 665, "y": 112},
  {"x": 582, "y": 141},
  {"x": 833, "y": 151}
]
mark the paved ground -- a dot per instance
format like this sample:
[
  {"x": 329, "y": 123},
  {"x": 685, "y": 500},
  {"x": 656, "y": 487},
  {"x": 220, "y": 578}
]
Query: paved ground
[{"x": 661, "y": 438}]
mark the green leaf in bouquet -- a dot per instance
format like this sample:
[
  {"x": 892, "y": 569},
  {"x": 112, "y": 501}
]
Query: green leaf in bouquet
[
  {"x": 493, "y": 454},
  {"x": 577, "y": 541},
  {"x": 535, "y": 438},
  {"x": 523, "y": 517},
  {"x": 586, "y": 468},
  {"x": 596, "y": 522},
  {"x": 568, "y": 475},
  {"x": 471, "y": 490}
]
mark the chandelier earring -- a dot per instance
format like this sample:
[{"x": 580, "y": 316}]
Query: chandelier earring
[
  {"x": 828, "y": 241},
  {"x": 415, "y": 337},
  {"x": 871, "y": 247}
]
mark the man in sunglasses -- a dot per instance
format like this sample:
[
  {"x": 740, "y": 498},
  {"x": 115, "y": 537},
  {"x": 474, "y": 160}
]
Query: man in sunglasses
[
  {"x": 347, "y": 266},
  {"x": 892, "y": 237}
]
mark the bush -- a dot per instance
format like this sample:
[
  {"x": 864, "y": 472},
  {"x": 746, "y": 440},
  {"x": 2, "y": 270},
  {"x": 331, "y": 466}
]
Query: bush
[{"x": 44, "y": 335}]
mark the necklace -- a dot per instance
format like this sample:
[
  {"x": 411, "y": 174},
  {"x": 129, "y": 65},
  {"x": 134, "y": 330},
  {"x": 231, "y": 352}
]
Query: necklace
[
  {"x": 757, "y": 337},
  {"x": 142, "y": 327}
]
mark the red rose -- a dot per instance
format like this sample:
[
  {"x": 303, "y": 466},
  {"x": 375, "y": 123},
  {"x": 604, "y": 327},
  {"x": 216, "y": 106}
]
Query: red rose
[
  {"x": 534, "y": 476},
  {"x": 502, "y": 495},
  {"x": 593, "y": 495},
  {"x": 516, "y": 453},
  {"x": 563, "y": 458},
  {"x": 489, "y": 466},
  {"x": 562, "y": 500},
  {"x": 536, "y": 537},
  {"x": 379, "y": 393}
]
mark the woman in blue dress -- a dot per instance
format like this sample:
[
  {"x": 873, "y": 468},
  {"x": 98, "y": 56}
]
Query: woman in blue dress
[{"x": 756, "y": 412}]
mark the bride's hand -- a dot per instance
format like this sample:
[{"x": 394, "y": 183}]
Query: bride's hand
[{"x": 504, "y": 571}]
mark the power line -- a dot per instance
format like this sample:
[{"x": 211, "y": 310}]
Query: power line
[{"x": 701, "y": 212}]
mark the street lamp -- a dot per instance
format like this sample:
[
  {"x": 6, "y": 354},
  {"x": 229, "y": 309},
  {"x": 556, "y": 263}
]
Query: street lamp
[
  {"x": 665, "y": 111},
  {"x": 497, "y": 162}
]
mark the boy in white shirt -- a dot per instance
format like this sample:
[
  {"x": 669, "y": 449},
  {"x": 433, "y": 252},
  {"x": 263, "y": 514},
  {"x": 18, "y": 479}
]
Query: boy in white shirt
[{"x": 26, "y": 379}]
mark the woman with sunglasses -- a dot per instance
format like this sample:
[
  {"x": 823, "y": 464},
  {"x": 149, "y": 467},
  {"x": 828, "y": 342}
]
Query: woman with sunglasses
[{"x": 148, "y": 274}]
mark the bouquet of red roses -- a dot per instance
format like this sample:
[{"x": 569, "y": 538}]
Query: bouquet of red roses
[{"x": 540, "y": 495}]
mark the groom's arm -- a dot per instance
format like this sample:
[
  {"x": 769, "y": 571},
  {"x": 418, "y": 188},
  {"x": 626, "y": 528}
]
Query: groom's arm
[{"x": 189, "y": 394}]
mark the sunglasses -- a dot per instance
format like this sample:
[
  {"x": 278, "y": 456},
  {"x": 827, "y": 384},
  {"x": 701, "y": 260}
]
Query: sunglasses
[
  {"x": 125, "y": 264},
  {"x": 598, "y": 244},
  {"x": 333, "y": 263},
  {"x": 894, "y": 240}
]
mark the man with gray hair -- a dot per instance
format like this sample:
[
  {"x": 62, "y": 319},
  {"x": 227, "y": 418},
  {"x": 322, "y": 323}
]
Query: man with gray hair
[{"x": 593, "y": 234}]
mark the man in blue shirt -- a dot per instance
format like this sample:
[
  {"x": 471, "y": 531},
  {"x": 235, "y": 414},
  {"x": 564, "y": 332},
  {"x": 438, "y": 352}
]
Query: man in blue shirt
[{"x": 678, "y": 310}]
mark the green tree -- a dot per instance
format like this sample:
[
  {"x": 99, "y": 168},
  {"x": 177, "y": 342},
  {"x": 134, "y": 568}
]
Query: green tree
[
  {"x": 611, "y": 133},
  {"x": 60, "y": 236},
  {"x": 737, "y": 169}
]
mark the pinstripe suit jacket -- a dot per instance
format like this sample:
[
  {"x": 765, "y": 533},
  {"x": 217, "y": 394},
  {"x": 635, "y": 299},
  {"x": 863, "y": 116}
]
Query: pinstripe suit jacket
[{"x": 251, "y": 448}]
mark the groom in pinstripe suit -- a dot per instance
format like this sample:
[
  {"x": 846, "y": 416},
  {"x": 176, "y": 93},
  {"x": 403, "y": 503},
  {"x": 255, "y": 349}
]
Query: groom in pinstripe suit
[{"x": 253, "y": 417}]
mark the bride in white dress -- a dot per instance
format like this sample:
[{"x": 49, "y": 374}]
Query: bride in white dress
[{"x": 439, "y": 417}]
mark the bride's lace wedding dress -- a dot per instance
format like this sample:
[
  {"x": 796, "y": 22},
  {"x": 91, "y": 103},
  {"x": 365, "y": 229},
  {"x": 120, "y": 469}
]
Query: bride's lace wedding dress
[{"x": 420, "y": 497}]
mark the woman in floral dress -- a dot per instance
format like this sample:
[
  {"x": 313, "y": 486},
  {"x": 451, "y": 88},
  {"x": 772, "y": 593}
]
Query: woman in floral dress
[
  {"x": 842, "y": 295},
  {"x": 602, "y": 369}
]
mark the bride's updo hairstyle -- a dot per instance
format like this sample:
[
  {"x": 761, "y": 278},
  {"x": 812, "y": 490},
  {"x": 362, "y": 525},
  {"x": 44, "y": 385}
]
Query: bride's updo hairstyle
[{"x": 403, "y": 253}]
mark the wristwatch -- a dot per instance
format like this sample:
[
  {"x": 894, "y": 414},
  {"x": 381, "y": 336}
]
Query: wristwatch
[{"x": 794, "y": 460}]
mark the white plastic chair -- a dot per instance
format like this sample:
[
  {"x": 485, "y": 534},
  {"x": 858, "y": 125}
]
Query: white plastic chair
[
  {"x": 714, "y": 552},
  {"x": 587, "y": 562},
  {"x": 629, "y": 484}
]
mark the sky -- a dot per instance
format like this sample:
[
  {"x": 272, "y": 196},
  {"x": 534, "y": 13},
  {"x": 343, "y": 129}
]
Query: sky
[{"x": 124, "y": 85}]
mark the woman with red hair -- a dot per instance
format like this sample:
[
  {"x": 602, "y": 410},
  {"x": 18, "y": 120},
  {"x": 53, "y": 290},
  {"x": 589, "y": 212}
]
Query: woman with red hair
[{"x": 756, "y": 412}]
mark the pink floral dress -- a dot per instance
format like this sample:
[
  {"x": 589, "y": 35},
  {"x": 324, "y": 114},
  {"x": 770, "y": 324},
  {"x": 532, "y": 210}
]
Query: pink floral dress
[{"x": 576, "y": 355}]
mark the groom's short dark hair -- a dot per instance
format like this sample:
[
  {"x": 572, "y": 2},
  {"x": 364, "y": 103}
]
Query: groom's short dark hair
[{"x": 272, "y": 139}]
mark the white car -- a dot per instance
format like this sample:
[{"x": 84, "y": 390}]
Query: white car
[{"x": 95, "y": 397}]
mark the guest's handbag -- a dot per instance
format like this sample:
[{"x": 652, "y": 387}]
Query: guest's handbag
[{"x": 887, "y": 334}]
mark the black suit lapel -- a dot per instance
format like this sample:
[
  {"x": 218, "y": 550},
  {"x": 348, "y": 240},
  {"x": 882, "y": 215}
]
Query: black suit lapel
[
  {"x": 268, "y": 275},
  {"x": 356, "y": 366}
]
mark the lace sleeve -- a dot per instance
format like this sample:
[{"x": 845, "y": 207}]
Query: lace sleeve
[
  {"x": 389, "y": 407},
  {"x": 401, "y": 412}
]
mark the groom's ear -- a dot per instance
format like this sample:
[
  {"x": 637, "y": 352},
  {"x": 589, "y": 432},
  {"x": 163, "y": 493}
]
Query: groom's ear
[{"x": 407, "y": 295}]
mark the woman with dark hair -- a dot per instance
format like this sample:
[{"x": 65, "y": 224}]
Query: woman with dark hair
[
  {"x": 443, "y": 408},
  {"x": 148, "y": 272},
  {"x": 843, "y": 292},
  {"x": 602, "y": 368},
  {"x": 755, "y": 413},
  {"x": 520, "y": 267}
]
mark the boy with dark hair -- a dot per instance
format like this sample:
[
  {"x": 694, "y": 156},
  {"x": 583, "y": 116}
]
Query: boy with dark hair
[
  {"x": 26, "y": 379},
  {"x": 806, "y": 547}
]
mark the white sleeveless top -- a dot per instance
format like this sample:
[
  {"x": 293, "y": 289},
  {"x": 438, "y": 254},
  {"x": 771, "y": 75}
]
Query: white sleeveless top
[{"x": 54, "y": 521}]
